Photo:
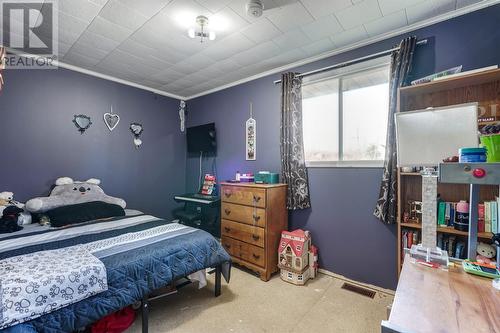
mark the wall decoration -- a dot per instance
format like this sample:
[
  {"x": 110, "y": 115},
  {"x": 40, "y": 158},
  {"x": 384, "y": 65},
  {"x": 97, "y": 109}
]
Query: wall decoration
[
  {"x": 2, "y": 65},
  {"x": 111, "y": 119},
  {"x": 182, "y": 115},
  {"x": 251, "y": 137},
  {"x": 82, "y": 122},
  {"x": 137, "y": 130}
]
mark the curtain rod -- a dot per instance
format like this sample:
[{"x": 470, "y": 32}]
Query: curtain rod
[{"x": 354, "y": 61}]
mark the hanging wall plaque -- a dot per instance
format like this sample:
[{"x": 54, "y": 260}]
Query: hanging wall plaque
[{"x": 251, "y": 137}]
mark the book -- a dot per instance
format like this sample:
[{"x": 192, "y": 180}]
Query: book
[
  {"x": 442, "y": 213},
  {"x": 447, "y": 214},
  {"x": 453, "y": 209},
  {"x": 480, "y": 215},
  {"x": 432, "y": 77},
  {"x": 487, "y": 216},
  {"x": 494, "y": 217},
  {"x": 498, "y": 215},
  {"x": 473, "y": 71},
  {"x": 480, "y": 225}
]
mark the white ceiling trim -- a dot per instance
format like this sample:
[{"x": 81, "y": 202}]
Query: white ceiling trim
[
  {"x": 115, "y": 79},
  {"x": 415, "y": 26},
  {"x": 73, "y": 68}
]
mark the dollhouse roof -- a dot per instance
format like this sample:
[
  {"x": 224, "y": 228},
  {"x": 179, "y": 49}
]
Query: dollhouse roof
[{"x": 295, "y": 239}]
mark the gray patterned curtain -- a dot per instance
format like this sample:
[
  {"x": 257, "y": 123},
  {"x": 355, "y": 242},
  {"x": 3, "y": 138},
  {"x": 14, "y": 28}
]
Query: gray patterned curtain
[
  {"x": 401, "y": 63},
  {"x": 293, "y": 165}
]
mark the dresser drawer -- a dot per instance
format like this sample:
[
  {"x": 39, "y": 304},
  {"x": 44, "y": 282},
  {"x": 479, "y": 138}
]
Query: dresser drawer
[
  {"x": 253, "y": 254},
  {"x": 244, "y": 214},
  {"x": 243, "y": 232},
  {"x": 250, "y": 253},
  {"x": 244, "y": 195}
]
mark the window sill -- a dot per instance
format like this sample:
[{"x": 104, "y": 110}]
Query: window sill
[{"x": 345, "y": 164}]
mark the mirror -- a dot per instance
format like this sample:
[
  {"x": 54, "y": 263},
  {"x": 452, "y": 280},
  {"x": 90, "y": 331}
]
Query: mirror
[
  {"x": 136, "y": 129},
  {"x": 82, "y": 122}
]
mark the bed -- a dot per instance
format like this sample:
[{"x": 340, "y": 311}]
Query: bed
[{"x": 142, "y": 262}]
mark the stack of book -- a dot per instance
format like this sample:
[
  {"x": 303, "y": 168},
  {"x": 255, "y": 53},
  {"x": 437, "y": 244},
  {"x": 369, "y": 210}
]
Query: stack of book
[
  {"x": 456, "y": 248},
  {"x": 409, "y": 237},
  {"x": 446, "y": 213},
  {"x": 488, "y": 215}
]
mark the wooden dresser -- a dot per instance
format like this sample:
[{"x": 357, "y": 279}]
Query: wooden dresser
[{"x": 252, "y": 218}]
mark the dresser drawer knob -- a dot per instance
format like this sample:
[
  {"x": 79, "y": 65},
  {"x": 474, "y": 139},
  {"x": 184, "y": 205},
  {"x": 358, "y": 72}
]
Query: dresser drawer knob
[
  {"x": 255, "y": 237},
  {"x": 227, "y": 194},
  {"x": 256, "y": 218},
  {"x": 256, "y": 198},
  {"x": 227, "y": 229},
  {"x": 256, "y": 256},
  {"x": 227, "y": 211}
]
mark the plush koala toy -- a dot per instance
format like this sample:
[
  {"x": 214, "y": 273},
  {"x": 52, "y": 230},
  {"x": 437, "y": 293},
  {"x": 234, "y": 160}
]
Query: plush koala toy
[{"x": 70, "y": 192}]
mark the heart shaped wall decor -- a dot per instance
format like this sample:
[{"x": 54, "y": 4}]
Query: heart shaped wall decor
[{"x": 111, "y": 120}]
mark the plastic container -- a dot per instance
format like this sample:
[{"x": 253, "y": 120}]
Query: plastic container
[
  {"x": 492, "y": 145},
  {"x": 462, "y": 216},
  {"x": 472, "y": 155}
]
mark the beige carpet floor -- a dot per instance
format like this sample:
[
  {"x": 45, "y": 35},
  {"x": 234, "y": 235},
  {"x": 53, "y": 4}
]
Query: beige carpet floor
[{"x": 249, "y": 305}]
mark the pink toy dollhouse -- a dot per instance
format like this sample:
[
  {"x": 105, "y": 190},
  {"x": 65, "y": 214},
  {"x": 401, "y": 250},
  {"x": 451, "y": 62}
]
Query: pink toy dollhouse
[{"x": 298, "y": 258}]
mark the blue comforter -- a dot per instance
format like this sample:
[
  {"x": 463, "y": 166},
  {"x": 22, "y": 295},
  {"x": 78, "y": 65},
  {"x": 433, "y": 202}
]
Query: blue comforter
[{"x": 134, "y": 270}]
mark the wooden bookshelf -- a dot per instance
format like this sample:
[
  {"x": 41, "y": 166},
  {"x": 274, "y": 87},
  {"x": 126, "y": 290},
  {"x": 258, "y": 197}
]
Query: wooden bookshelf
[{"x": 483, "y": 88}]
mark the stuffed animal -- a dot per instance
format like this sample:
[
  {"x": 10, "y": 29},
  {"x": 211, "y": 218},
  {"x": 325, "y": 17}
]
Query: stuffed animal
[
  {"x": 486, "y": 253},
  {"x": 6, "y": 200},
  {"x": 70, "y": 192},
  {"x": 8, "y": 222}
]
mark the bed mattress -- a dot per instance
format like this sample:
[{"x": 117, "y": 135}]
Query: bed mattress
[{"x": 134, "y": 267}]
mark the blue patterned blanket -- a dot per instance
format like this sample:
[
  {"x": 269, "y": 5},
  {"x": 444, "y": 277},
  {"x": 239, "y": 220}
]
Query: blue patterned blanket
[{"x": 140, "y": 253}]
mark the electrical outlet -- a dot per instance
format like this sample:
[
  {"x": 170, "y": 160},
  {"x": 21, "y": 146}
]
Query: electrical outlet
[{"x": 198, "y": 209}]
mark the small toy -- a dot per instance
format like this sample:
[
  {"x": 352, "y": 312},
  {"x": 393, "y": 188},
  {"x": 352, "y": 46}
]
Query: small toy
[
  {"x": 7, "y": 200},
  {"x": 8, "y": 222},
  {"x": 297, "y": 257},
  {"x": 486, "y": 254},
  {"x": 481, "y": 270}
]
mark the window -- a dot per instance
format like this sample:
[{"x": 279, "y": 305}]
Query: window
[{"x": 345, "y": 117}]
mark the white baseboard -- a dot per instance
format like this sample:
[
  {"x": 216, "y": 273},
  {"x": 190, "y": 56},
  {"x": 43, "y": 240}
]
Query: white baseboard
[{"x": 365, "y": 285}]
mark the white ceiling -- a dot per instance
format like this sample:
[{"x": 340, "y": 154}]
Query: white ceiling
[{"x": 145, "y": 42}]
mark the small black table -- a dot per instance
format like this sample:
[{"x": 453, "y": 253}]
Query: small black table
[{"x": 199, "y": 211}]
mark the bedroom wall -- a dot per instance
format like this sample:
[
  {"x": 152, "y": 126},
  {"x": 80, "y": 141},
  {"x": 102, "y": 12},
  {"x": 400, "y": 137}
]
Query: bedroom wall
[
  {"x": 40, "y": 142},
  {"x": 351, "y": 241}
]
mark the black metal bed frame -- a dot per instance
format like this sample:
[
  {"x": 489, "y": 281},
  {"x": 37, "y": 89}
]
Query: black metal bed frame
[{"x": 145, "y": 300}]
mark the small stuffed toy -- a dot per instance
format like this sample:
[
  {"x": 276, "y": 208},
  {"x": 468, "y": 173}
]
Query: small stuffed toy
[
  {"x": 485, "y": 254},
  {"x": 8, "y": 222},
  {"x": 6, "y": 200},
  {"x": 70, "y": 192}
]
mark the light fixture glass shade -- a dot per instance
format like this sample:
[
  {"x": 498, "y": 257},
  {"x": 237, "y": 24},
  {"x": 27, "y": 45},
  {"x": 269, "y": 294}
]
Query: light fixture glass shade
[
  {"x": 191, "y": 33},
  {"x": 211, "y": 35}
]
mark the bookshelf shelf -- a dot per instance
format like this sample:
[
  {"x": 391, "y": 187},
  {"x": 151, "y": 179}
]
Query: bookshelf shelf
[
  {"x": 447, "y": 230},
  {"x": 483, "y": 88}
]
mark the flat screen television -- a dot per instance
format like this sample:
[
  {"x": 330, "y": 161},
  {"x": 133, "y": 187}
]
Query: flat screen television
[{"x": 201, "y": 139}]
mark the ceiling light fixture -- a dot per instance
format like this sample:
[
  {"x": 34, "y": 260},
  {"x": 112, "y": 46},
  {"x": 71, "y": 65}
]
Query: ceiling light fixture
[{"x": 202, "y": 21}]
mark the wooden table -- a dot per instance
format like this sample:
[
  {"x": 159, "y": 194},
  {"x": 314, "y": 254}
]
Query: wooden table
[{"x": 434, "y": 300}]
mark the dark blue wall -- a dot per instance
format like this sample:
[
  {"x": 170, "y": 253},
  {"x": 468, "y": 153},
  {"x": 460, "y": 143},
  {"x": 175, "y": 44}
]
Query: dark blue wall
[
  {"x": 350, "y": 240},
  {"x": 40, "y": 142}
]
